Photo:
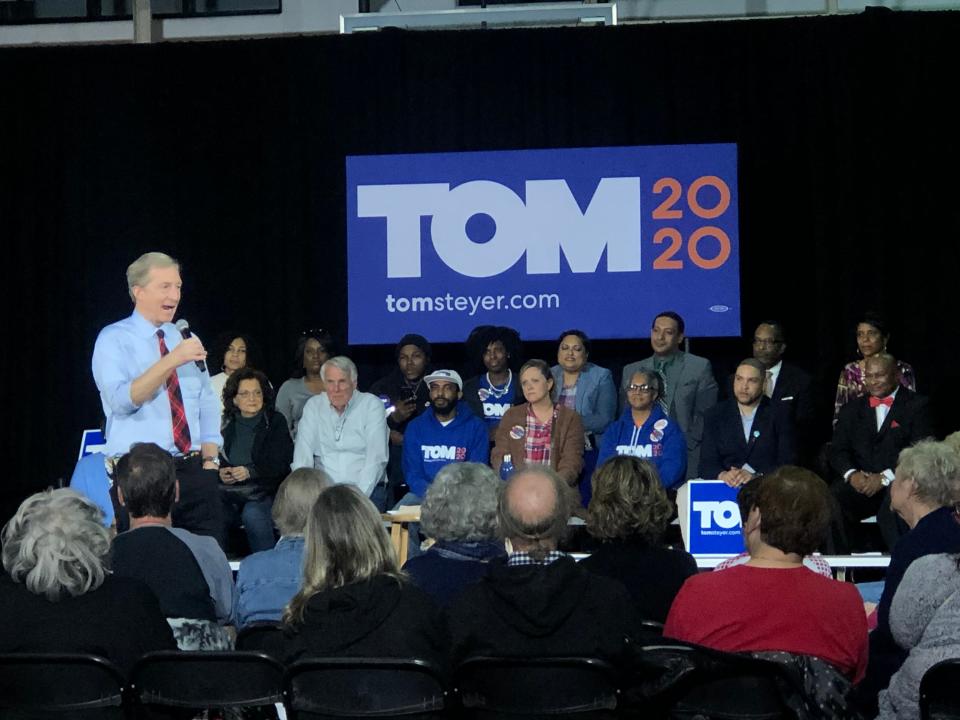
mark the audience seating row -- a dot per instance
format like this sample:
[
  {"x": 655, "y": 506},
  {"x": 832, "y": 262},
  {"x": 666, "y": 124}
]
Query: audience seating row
[{"x": 668, "y": 681}]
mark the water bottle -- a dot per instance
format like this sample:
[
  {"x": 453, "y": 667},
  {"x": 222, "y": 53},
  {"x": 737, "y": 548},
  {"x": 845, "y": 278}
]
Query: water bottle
[{"x": 506, "y": 467}]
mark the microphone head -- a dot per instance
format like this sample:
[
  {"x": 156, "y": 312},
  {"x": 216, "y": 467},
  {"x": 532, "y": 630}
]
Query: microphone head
[{"x": 182, "y": 325}]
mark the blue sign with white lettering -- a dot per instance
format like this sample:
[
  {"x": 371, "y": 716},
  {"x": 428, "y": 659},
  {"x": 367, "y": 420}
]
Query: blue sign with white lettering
[
  {"x": 543, "y": 240},
  {"x": 713, "y": 519}
]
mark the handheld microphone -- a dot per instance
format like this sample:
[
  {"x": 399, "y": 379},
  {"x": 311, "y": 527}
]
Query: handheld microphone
[{"x": 184, "y": 327}]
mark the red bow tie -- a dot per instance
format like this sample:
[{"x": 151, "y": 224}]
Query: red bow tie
[{"x": 875, "y": 401}]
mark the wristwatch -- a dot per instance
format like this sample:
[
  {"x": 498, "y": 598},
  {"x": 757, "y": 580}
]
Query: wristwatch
[{"x": 215, "y": 460}]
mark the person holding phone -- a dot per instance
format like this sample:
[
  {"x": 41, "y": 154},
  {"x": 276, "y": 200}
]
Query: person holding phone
[{"x": 405, "y": 395}]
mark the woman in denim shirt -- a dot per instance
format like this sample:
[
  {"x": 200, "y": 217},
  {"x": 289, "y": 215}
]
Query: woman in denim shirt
[{"x": 267, "y": 580}]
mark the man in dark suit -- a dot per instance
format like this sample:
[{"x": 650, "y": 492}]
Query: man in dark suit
[
  {"x": 867, "y": 440},
  {"x": 689, "y": 386},
  {"x": 749, "y": 434},
  {"x": 784, "y": 382}
]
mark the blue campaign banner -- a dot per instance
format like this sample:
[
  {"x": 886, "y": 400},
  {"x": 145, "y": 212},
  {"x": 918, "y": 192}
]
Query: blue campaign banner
[
  {"x": 713, "y": 519},
  {"x": 543, "y": 240}
]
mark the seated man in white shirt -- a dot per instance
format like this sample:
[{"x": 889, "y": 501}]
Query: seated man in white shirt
[{"x": 343, "y": 432}]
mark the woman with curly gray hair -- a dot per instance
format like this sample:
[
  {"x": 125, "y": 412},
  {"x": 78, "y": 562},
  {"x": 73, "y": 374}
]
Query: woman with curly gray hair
[
  {"x": 57, "y": 593},
  {"x": 924, "y": 492},
  {"x": 629, "y": 512},
  {"x": 460, "y": 513}
]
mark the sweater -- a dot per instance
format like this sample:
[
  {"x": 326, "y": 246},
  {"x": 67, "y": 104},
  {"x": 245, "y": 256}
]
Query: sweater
[{"x": 428, "y": 446}]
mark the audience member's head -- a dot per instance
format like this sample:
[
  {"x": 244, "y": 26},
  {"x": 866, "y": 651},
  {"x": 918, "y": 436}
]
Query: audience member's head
[
  {"x": 345, "y": 544},
  {"x": 295, "y": 499},
  {"x": 792, "y": 508},
  {"x": 769, "y": 343},
  {"x": 628, "y": 499},
  {"x": 314, "y": 348},
  {"x": 234, "y": 350},
  {"x": 147, "y": 481},
  {"x": 928, "y": 473},
  {"x": 56, "y": 545},
  {"x": 495, "y": 349},
  {"x": 237, "y": 389},
  {"x": 533, "y": 511},
  {"x": 880, "y": 374},
  {"x": 872, "y": 334},
  {"x": 667, "y": 333},
  {"x": 953, "y": 441},
  {"x": 413, "y": 354},
  {"x": 461, "y": 504}
]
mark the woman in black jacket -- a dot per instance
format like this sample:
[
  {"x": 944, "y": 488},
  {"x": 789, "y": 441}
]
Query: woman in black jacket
[
  {"x": 355, "y": 601},
  {"x": 256, "y": 455}
]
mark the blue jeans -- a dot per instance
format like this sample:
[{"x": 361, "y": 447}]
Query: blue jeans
[{"x": 256, "y": 519}]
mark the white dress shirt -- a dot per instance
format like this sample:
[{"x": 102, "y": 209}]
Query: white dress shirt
[{"x": 349, "y": 447}]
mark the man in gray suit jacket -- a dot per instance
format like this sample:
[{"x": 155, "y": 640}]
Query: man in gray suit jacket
[{"x": 689, "y": 386}]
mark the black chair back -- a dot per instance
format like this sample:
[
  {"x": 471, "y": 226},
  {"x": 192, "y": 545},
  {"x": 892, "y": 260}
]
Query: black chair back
[
  {"x": 532, "y": 687},
  {"x": 683, "y": 682},
  {"x": 200, "y": 680},
  {"x": 75, "y": 685},
  {"x": 939, "y": 699},
  {"x": 265, "y": 637},
  {"x": 320, "y": 688}
]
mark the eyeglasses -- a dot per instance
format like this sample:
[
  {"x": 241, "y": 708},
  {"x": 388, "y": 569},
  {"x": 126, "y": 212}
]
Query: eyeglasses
[
  {"x": 250, "y": 393},
  {"x": 641, "y": 388}
]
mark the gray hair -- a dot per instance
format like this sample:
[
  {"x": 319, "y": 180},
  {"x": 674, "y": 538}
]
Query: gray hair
[
  {"x": 542, "y": 536},
  {"x": 935, "y": 468},
  {"x": 56, "y": 543},
  {"x": 296, "y": 497},
  {"x": 139, "y": 270},
  {"x": 343, "y": 364},
  {"x": 461, "y": 503},
  {"x": 953, "y": 441}
]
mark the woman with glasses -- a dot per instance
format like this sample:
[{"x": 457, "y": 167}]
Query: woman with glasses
[
  {"x": 314, "y": 348},
  {"x": 645, "y": 431},
  {"x": 256, "y": 456}
]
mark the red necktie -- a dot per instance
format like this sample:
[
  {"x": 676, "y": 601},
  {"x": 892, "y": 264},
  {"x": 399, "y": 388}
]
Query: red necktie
[
  {"x": 181, "y": 430},
  {"x": 875, "y": 401}
]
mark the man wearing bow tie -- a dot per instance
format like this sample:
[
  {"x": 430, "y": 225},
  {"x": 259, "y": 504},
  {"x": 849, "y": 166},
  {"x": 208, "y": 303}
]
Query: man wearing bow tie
[
  {"x": 747, "y": 435},
  {"x": 869, "y": 435}
]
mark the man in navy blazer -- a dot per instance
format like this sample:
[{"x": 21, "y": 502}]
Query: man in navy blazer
[
  {"x": 748, "y": 435},
  {"x": 689, "y": 385},
  {"x": 867, "y": 440}
]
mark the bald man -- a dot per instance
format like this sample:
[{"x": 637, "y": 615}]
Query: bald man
[
  {"x": 537, "y": 602},
  {"x": 868, "y": 437}
]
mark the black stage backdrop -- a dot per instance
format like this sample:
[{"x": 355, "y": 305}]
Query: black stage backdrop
[{"x": 230, "y": 156}]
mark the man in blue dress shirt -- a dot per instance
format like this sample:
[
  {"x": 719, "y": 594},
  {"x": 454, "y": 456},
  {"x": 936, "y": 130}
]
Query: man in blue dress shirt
[{"x": 153, "y": 390}]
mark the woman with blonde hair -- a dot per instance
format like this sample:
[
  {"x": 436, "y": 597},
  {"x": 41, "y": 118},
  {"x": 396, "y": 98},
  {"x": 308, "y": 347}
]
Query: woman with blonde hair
[
  {"x": 58, "y": 594},
  {"x": 355, "y": 600},
  {"x": 628, "y": 514}
]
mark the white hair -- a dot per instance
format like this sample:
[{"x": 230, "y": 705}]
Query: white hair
[
  {"x": 138, "y": 271},
  {"x": 56, "y": 543},
  {"x": 343, "y": 364}
]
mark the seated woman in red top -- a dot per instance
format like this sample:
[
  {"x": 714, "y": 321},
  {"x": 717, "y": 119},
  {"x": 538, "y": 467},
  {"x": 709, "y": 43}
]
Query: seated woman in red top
[{"x": 774, "y": 602}]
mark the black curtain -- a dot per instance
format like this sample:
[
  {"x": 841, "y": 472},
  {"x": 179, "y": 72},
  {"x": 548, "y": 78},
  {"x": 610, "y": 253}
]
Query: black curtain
[{"x": 230, "y": 156}]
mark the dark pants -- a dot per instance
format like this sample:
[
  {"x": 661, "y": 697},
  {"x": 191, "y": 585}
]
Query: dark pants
[
  {"x": 854, "y": 507},
  {"x": 199, "y": 509}
]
